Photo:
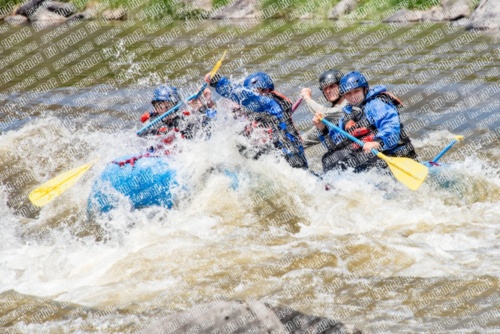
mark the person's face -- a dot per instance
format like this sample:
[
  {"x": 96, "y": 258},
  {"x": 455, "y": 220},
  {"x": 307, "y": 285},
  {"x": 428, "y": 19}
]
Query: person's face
[
  {"x": 207, "y": 98},
  {"x": 265, "y": 91},
  {"x": 162, "y": 106},
  {"x": 332, "y": 92},
  {"x": 355, "y": 96}
]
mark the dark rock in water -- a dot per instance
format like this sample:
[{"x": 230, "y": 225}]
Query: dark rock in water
[
  {"x": 344, "y": 7},
  {"x": 29, "y": 8},
  {"x": 486, "y": 16},
  {"x": 15, "y": 19},
  {"x": 295, "y": 322},
  {"x": 404, "y": 16},
  {"x": 246, "y": 317}
]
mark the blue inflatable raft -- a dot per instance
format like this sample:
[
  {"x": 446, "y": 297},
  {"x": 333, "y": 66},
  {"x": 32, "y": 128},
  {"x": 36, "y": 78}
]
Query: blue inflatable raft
[{"x": 144, "y": 181}]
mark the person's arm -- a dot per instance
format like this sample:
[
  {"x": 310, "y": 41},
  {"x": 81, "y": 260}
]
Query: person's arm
[
  {"x": 330, "y": 113},
  {"x": 310, "y": 137},
  {"x": 245, "y": 97},
  {"x": 386, "y": 119}
]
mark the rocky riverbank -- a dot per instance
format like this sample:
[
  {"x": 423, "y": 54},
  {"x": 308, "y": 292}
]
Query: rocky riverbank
[{"x": 475, "y": 14}]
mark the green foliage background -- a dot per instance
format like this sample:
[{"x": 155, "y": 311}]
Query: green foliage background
[{"x": 179, "y": 9}]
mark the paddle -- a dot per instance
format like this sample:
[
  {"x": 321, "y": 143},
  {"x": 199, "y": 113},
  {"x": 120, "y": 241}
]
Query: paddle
[
  {"x": 56, "y": 186},
  {"x": 446, "y": 149},
  {"x": 407, "y": 171},
  {"x": 297, "y": 104},
  {"x": 178, "y": 105},
  {"x": 162, "y": 117}
]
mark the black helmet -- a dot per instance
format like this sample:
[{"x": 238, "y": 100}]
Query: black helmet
[{"x": 329, "y": 77}]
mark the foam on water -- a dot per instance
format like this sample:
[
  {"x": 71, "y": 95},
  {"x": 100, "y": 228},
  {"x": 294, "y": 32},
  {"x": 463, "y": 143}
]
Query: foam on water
[{"x": 431, "y": 232}]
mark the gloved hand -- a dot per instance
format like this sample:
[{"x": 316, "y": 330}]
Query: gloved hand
[
  {"x": 203, "y": 109},
  {"x": 215, "y": 79},
  {"x": 367, "y": 139},
  {"x": 145, "y": 117}
]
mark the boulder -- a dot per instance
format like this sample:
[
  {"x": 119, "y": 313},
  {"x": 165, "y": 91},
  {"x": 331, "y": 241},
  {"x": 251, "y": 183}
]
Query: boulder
[
  {"x": 205, "y": 5},
  {"x": 461, "y": 22},
  {"x": 246, "y": 317},
  {"x": 114, "y": 14},
  {"x": 344, "y": 7},
  {"x": 87, "y": 14},
  {"x": 239, "y": 9},
  {"x": 41, "y": 10},
  {"x": 15, "y": 20},
  {"x": 456, "y": 9},
  {"x": 29, "y": 8},
  {"x": 404, "y": 16},
  {"x": 42, "y": 14},
  {"x": 435, "y": 14},
  {"x": 65, "y": 9},
  {"x": 486, "y": 16},
  {"x": 307, "y": 16}
]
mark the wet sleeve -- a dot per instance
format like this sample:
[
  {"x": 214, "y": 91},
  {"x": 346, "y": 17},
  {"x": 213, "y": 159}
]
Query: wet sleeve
[
  {"x": 247, "y": 98},
  {"x": 386, "y": 119},
  {"x": 331, "y": 114},
  {"x": 313, "y": 135}
]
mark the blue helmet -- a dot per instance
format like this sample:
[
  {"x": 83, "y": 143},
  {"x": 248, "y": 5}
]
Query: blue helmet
[
  {"x": 259, "y": 80},
  {"x": 352, "y": 80},
  {"x": 165, "y": 93}
]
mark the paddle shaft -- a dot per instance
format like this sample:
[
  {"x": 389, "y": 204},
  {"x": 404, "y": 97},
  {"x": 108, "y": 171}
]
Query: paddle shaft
[
  {"x": 351, "y": 137},
  {"x": 205, "y": 85},
  {"x": 297, "y": 104},
  {"x": 168, "y": 113},
  {"x": 446, "y": 149}
]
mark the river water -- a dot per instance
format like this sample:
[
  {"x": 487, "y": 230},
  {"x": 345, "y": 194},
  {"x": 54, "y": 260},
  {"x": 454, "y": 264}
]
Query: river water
[{"x": 368, "y": 252}]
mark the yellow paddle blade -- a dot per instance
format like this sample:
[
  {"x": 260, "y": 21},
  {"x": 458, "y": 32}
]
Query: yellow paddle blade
[
  {"x": 459, "y": 138},
  {"x": 55, "y": 187},
  {"x": 407, "y": 171},
  {"x": 217, "y": 66}
]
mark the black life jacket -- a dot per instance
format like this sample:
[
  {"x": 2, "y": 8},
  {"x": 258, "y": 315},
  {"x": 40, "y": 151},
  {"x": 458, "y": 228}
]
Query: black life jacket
[
  {"x": 357, "y": 124},
  {"x": 177, "y": 123},
  {"x": 282, "y": 131}
]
